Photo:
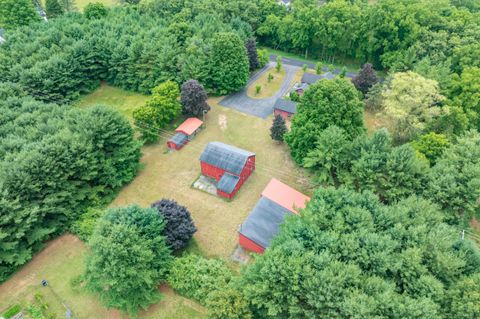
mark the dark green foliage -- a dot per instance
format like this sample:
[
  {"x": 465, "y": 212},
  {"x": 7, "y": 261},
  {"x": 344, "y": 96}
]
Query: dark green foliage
[
  {"x": 194, "y": 98},
  {"x": 278, "y": 129},
  {"x": 55, "y": 163},
  {"x": 251, "y": 46},
  {"x": 16, "y": 13},
  {"x": 365, "y": 79},
  {"x": 53, "y": 8},
  {"x": 324, "y": 103},
  {"x": 229, "y": 63},
  {"x": 179, "y": 227},
  {"x": 95, "y": 10},
  {"x": 129, "y": 258},
  {"x": 196, "y": 277},
  {"x": 351, "y": 257},
  {"x": 455, "y": 179}
]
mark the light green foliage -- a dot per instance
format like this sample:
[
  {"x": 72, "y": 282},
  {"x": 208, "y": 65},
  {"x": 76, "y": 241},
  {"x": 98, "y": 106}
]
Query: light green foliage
[
  {"x": 351, "y": 257},
  {"x": 304, "y": 68},
  {"x": 12, "y": 311},
  {"x": 455, "y": 179},
  {"x": 16, "y": 13},
  {"x": 411, "y": 101},
  {"x": 431, "y": 145},
  {"x": 95, "y": 10},
  {"x": 324, "y": 103},
  {"x": 318, "y": 68},
  {"x": 196, "y": 277},
  {"x": 85, "y": 225},
  {"x": 465, "y": 94},
  {"x": 229, "y": 63},
  {"x": 278, "y": 66},
  {"x": 258, "y": 88},
  {"x": 228, "y": 302},
  {"x": 53, "y": 8},
  {"x": 263, "y": 57},
  {"x": 464, "y": 298},
  {"x": 129, "y": 258},
  {"x": 270, "y": 77}
]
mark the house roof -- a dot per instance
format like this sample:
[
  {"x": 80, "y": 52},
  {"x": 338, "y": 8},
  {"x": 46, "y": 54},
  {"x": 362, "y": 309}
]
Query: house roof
[
  {"x": 227, "y": 183},
  {"x": 285, "y": 196},
  {"x": 263, "y": 222},
  {"x": 285, "y": 105},
  {"x": 310, "y": 78},
  {"x": 229, "y": 158},
  {"x": 179, "y": 139},
  {"x": 328, "y": 75},
  {"x": 189, "y": 126}
]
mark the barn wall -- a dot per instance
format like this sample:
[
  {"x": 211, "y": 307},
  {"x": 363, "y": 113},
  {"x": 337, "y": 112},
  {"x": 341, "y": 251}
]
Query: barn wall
[
  {"x": 212, "y": 171},
  {"x": 250, "y": 244}
]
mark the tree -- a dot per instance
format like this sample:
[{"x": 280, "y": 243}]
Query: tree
[
  {"x": 465, "y": 94},
  {"x": 146, "y": 122},
  {"x": 455, "y": 179},
  {"x": 194, "y": 98},
  {"x": 278, "y": 66},
  {"x": 68, "y": 5},
  {"x": 263, "y": 57},
  {"x": 365, "y": 79},
  {"x": 229, "y": 63},
  {"x": 179, "y": 227},
  {"x": 278, "y": 129},
  {"x": 53, "y": 8},
  {"x": 251, "y": 46},
  {"x": 411, "y": 101},
  {"x": 431, "y": 145},
  {"x": 464, "y": 298},
  {"x": 95, "y": 10},
  {"x": 128, "y": 258},
  {"x": 228, "y": 302},
  {"x": 318, "y": 68},
  {"x": 324, "y": 104},
  {"x": 15, "y": 13}
]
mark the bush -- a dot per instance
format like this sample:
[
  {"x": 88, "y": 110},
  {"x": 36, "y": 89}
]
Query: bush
[
  {"x": 179, "y": 227},
  {"x": 95, "y": 10},
  {"x": 263, "y": 57},
  {"x": 228, "y": 303},
  {"x": 196, "y": 277},
  {"x": 84, "y": 226},
  {"x": 12, "y": 311}
]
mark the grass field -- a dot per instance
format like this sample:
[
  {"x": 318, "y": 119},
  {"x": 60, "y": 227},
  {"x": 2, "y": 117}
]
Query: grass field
[
  {"x": 268, "y": 88},
  {"x": 62, "y": 260},
  {"x": 123, "y": 101}
]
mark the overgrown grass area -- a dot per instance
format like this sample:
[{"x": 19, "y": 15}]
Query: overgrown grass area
[
  {"x": 60, "y": 262},
  {"x": 374, "y": 121},
  {"x": 123, "y": 101},
  {"x": 170, "y": 175},
  {"x": 268, "y": 87}
]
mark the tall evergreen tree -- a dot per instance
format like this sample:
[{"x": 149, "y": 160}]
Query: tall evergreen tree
[
  {"x": 278, "y": 129},
  {"x": 53, "y": 8},
  {"x": 251, "y": 46},
  {"x": 16, "y": 13}
]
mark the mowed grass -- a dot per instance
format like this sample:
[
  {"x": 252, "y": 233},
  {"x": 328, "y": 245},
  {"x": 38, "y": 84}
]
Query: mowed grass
[
  {"x": 123, "y": 101},
  {"x": 267, "y": 88},
  {"x": 62, "y": 260},
  {"x": 171, "y": 174}
]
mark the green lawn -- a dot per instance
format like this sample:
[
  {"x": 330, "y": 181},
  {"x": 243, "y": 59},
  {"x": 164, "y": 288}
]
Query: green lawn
[
  {"x": 268, "y": 88},
  {"x": 123, "y": 101}
]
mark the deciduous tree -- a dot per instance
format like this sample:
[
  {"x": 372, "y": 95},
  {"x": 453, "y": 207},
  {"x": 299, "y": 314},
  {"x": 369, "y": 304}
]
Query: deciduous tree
[
  {"x": 251, "y": 46},
  {"x": 53, "y": 8},
  {"x": 278, "y": 129},
  {"x": 365, "y": 79},
  {"x": 194, "y": 98},
  {"x": 95, "y": 10},
  {"x": 15, "y": 13}
]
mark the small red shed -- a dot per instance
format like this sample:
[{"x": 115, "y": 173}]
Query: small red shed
[
  {"x": 230, "y": 166},
  {"x": 284, "y": 108},
  {"x": 278, "y": 200},
  {"x": 185, "y": 132}
]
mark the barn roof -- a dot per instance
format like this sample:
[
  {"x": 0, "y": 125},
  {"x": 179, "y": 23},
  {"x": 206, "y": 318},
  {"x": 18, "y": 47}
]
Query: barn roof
[
  {"x": 310, "y": 78},
  {"x": 263, "y": 222},
  {"x": 285, "y": 105},
  {"x": 229, "y": 158},
  {"x": 179, "y": 139},
  {"x": 189, "y": 126},
  {"x": 227, "y": 183},
  {"x": 285, "y": 196}
]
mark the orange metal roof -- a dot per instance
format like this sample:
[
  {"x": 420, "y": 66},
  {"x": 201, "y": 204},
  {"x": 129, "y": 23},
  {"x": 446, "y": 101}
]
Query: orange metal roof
[
  {"x": 285, "y": 196},
  {"x": 189, "y": 126}
]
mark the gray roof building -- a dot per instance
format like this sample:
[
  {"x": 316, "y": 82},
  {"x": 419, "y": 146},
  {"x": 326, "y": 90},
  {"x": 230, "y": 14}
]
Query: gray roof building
[
  {"x": 227, "y": 183},
  {"x": 179, "y": 139},
  {"x": 285, "y": 105},
  {"x": 227, "y": 157},
  {"x": 310, "y": 78}
]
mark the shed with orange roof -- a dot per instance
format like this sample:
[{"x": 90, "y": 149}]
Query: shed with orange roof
[{"x": 184, "y": 133}]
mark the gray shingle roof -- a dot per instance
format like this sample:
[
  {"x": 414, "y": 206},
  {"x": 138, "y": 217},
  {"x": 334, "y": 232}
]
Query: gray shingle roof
[
  {"x": 179, "y": 139},
  {"x": 227, "y": 183},
  {"x": 328, "y": 75},
  {"x": 310, "y": 78},
  {"x": 263, "y": 222},
  {"x": 229, "y": 158},
  {"x": 285, "y": 105}
]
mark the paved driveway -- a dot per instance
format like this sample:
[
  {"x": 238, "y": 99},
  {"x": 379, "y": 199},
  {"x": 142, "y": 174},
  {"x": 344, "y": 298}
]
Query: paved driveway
[{"x": 259, "y": 107}]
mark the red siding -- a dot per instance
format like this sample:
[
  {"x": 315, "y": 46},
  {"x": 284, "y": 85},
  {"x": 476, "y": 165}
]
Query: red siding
[
  {"x": 174, "y": 146},
  {"x": 212, "y": 171},
  {"x": 285, "y": 115},
  {"x": 250, "y": 244}
]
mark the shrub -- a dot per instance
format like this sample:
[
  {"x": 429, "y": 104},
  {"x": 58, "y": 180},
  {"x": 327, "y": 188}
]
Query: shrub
[
  {"x": 195, "y": 277},
  {"x": 278, "y": 66},
  {"x": 12, "y": 311},
  {"x": 228, "y": 303},
  {"x": 84, "y": 226},
  {"x": 95, "y": 10},
  {"x": 263, "y": 57},
  {"x": 258, "y": 88},
  {"x": 179, "y": 227},
  {"x": 278, "y": 129}
]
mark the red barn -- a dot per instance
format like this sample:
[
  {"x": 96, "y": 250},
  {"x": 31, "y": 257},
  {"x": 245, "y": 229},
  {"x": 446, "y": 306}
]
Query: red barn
[
  {"x": 185, "y": 132},
  {"x": 284, "y": 108},
  {"x": 228, "y": 165},
  {"x": 278, "y": 200}
]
